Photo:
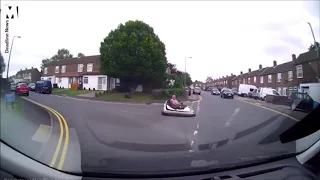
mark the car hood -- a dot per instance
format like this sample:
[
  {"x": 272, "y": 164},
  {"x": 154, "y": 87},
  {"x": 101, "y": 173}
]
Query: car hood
[{"x": 244, "y": 146}]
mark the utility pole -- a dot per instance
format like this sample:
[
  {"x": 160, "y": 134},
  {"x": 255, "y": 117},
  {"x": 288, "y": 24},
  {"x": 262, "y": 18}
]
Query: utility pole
[
  {"x": 10, "y": 55},
  {"x": 185, "y": 71},
  {"x": 316, "y": 45}
]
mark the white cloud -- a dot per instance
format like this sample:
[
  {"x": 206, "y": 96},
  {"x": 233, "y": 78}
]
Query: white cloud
[{"x": 222, "y": 37}]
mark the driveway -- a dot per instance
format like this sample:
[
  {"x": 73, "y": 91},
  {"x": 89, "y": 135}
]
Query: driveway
[{"x": 101, "y": 132}]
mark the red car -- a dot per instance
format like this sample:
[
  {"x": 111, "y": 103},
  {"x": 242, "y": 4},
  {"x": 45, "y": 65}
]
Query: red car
[{"x": 22, "y": 88}]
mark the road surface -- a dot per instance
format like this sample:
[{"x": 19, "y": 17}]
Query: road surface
[{"x": 103, "y": 134}]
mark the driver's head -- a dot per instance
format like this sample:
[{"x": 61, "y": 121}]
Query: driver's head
[{"x": 173, "y": 96}]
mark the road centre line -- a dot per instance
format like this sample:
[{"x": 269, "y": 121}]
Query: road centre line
[
  {"x": 62, "y": 122},
  {"x": 278, "y": 112}
]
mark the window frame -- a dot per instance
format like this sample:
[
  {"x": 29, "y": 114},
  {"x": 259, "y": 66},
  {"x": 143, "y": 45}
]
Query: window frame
[
  {"x": 57, "y": 69},
  {"x": 63, "y": 69},
  {"x": 269, "y": 78},
  {"x": 85, "y": 79},
  {"x": 89, "y": 65},
  {"x": 290, "y": 72},
  {"x": 45, "y": 71},
  {"x": 279, "y": 78},
  {"x": 299, "y": 70},
  {"x": 80, "y": 68}
]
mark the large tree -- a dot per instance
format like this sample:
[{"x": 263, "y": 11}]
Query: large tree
[
  {"x": 61, "y": 54},
  {"x": 209, "y": 79},
  {"x": 2, "y": 64},
  {"x": 135, "y": 54}
]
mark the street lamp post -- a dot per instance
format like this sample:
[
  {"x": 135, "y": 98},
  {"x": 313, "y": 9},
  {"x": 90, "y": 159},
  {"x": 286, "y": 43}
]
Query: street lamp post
[
  {"x": 10, "y": 55},
  {"x": 317, "y": 50},
  {"x": 185, "y": 71}
]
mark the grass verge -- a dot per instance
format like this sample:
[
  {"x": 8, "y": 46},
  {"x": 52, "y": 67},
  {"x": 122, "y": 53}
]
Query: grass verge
[{"x": 70, "y": 92}]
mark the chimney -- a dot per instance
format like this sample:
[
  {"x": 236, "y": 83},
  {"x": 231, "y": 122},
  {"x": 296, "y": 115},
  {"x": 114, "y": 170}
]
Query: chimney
[
  {"x": 227, "y": 75},
  {"x": 274, "y": 63},
  {"x": 241, "y": 72},
  {"x": 231, "y": 74},
  {"x": 249, "y": 70},
  {"x": 294, "y": 57},
  {"x": 25, "y": 68},
  {"x": 20, "y": 69},
  {"x": 31, "y": 67},
  {"x": 260, "y": 66}
]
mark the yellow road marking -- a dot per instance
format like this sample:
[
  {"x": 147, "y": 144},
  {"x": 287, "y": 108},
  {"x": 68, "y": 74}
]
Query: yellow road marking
[
  {"x": 42, "y": 134},
  {"x": 281, "y": 113},
  {"x": 66, "y": 142}
]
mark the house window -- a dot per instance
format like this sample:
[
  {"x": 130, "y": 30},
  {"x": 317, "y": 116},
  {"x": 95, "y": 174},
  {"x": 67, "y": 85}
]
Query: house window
[
  {"x": 244, "y": 81},
  {"x": 261, "y": 79},
  {"x": 248, "y": 80},
  {"x": 80, "y": 67},
  {"x": 89, "y": 67},
  {"x": 299, "y": 71},
  {"x": 279, "y": 77},
  {"x": 85, "y": 80},
  {"x": 57, "y": 69},
  {"x": 63, "y": 69},
  {"x": 254, "y": 79},
  {"x": 284, "y": 91},
  {"x": 59, "y": 80},
  {"x": 290, "y": 76},
  {"x": 269, "y": 78},
  {"x": 45, "y": 70}
]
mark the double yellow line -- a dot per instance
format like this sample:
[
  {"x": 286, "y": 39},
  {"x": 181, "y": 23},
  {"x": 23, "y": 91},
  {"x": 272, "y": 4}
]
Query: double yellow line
[{"x": 63, "y": 127}]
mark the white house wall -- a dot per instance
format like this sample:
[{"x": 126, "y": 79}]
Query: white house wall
[
  {"x": 49, "y": 77},
  {"x": 93, "y": 82},
  {"x": 64, "y": 82}
]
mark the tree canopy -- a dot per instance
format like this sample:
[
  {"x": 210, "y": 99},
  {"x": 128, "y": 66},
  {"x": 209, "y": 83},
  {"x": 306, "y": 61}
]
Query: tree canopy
[
  {"x": 80, "y": 55},
  {"x": 209, "y": 79},
  {"x": 135, "y": 54},
  {"x": 2, "y": 64},
  {"x": 61, "y": 54}
]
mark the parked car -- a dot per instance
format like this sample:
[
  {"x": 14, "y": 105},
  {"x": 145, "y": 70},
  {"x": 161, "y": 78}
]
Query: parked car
[
  {"x": 263, "y": 92},
  {"x": 32, "y": 86},
  {"x": 215, "y": 92},
  {"x": 301, "y": 101},
  {"x": 235, "y": 91},
  {"x": 188, "y": 89},
  {"x": 244, "y": 89},
  {"x": 197, "y": 90},
  {"x": 43, "y": 86},
  {"x": 13, "y": 86},
  {"x": 255, "y": 94},
  {"x": 22, "y": 89},
  {"x": 226, "y": 93}
]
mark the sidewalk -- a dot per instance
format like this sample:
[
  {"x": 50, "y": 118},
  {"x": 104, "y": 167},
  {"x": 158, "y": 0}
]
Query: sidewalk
[{"x": 280, "y": 108}]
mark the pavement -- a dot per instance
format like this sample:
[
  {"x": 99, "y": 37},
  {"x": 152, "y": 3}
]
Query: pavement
[{"x": 106, "y": 136}]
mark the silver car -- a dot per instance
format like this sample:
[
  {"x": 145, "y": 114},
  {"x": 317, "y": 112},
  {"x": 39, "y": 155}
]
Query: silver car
[{"x": 197, "y": 90}]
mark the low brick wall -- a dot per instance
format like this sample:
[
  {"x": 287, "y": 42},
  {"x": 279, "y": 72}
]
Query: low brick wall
[{"x": 279, "y": 100}]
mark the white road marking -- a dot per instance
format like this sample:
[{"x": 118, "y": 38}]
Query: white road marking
[
  {"x": 195, "y": 132},
  {"x": 235, "y": 112},
  {"x": 197, "y": 126},
  {"x": 191, "y": 143}
]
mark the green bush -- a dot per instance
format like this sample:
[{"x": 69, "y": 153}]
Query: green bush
[
  {"x": 173, "y": 91},
  {"x": 177, "y": 79}
]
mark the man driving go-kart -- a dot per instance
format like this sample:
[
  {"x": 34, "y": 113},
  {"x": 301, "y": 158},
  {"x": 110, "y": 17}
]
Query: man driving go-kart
[{"x": 175, "y": 103}]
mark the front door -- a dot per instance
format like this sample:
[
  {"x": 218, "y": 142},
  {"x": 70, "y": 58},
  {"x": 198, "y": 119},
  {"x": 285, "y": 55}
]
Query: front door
[
  {"x": 101, "y": 83},
  {"x": 80, "y": 83}
]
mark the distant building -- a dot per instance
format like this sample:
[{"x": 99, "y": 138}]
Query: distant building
[{"x": 28, "y": 75}]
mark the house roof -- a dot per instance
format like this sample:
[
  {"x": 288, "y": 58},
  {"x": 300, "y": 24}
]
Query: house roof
[
  {"x": 28, "y": 71},
  {"x": 238, "y": 77},
  {"x": 306, "y": 57},
  {"x": 86, "y": 59},
  {"x": 256, "y": 72}
]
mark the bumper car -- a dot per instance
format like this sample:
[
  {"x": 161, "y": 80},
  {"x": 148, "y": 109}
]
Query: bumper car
[{"x": 168, "y": 110}]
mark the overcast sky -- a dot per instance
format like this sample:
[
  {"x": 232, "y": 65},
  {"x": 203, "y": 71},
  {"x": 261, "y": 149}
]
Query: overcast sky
[{"x": 222, "y": 37}]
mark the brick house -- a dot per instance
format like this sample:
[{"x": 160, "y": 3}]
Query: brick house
[
  {"x": 28, "y": 75},
  {"x": 81, "y": 72},
  {"x": 237, "y": 80}
]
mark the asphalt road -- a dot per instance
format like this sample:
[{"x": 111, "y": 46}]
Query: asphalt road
[{"x": 104, "y": 134}]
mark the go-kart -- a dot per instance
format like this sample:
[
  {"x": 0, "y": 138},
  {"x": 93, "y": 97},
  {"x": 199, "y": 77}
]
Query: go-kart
[{"x": 168, "y": 110}]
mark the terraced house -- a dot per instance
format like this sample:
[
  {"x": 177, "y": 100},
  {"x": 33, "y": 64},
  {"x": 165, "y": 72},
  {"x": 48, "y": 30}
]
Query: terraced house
[
  {"x": 28, "y": 75},
  {"x": 285, "y": 77},
  {"x": 78, "y": 73}
]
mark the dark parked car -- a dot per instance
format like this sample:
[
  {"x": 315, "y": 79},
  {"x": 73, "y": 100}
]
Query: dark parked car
[
  {"x": 226, "y": 93},
  {"x": 215, "y": 92},
  {"x": 43, "y": 87},
  {"x": 301, "y": 101},
  {"x": 22, "y": 89}
]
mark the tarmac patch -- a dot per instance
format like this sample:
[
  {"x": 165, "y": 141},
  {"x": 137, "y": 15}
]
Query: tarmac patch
[{"x": 42, "y": 134}]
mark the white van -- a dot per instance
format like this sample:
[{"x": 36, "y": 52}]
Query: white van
[
  {"x": 263, "y": 92},
  {"x": 244, "y": 89}
]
